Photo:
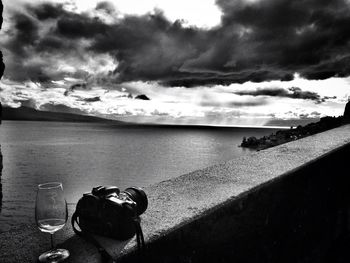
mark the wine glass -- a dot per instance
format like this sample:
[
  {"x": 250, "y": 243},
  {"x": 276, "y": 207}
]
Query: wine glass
[{"x": 51, "y": 215}]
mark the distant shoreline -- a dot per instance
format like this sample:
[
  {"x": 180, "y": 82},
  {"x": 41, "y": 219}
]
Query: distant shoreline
[
  {"x": 163, "y": 126},
  {"x": 292, "y": 134},
  {"x": 30, "y": 114},
  {"x": 218, "y": 126}
]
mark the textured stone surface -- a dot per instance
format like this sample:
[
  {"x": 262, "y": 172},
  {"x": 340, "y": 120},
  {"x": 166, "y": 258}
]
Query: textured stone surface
[
  {"x": 177, "y": 202},
  {"x": 244, "y": 198}
]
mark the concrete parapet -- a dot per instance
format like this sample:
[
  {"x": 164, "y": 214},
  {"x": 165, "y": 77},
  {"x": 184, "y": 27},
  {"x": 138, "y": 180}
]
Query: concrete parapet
[{"x": 285, "y": 204}]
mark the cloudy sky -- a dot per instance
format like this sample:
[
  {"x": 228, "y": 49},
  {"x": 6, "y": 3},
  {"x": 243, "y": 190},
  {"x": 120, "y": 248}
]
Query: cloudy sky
[{"x": 223, "y": 62}]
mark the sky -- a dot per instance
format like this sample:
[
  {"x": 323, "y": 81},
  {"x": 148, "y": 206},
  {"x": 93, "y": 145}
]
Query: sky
[{"x": 223, "y": 62}]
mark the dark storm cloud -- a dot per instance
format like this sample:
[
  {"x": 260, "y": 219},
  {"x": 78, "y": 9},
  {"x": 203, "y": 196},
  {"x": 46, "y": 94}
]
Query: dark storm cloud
[
  {"x": 80, "y": 26},
  {"x": 142, "y": 97},
  {"x": 149, "y": 47},
  {"x": 24, "y": 34},
  {"x": 304, "y": 36},
  {"x": 106, "y": 6},
  {"x": 256, "y": 41},
  {"x": 312, "y": 115},
  {"x": 248, "y": 103},
  {"x": 69, "y": 24},
  {"x": 46, "y": 11},
  {"x": 76, "y": 86},
  {"x": 297, "y": 93},
  {"x": 292, "y": 92},
  {"x": 208, "y": 79},
  {"x": 209, "y": 102},
  {"x": 93, "y": 99}
]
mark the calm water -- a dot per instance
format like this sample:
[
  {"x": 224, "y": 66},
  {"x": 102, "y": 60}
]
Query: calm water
[{"x": 83, "y": 155}]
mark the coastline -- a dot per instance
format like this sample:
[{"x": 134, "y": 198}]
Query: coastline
[{"x": 292, "y": 134}]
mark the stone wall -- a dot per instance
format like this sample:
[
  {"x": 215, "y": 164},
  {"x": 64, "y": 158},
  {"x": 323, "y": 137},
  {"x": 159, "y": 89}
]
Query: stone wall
[
  {"x": 300, "y": 217},
  {"x": 289, "y": 203}
]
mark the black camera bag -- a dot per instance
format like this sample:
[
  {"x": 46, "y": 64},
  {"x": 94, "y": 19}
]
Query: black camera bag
[{"x": 95, "y": 214}]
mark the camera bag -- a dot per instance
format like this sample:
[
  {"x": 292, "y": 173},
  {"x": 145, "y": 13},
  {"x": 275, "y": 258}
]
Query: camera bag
[{"x": 96, "y": 215}]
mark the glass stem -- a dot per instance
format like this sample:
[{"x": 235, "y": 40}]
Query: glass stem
[{"x": 52, "y": 241}]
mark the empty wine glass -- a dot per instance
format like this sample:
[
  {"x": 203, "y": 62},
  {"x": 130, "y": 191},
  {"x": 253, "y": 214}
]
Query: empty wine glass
[{"x": 51, "y": 215}]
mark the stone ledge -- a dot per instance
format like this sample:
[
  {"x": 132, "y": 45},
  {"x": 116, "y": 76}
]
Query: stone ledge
[{"x": 206, "y": 209}]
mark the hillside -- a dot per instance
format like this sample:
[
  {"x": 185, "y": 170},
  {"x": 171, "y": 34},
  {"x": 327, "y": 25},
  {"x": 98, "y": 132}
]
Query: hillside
[{"x": 30, "y": 114}]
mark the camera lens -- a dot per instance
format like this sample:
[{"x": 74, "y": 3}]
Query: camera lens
[{"x": 139, "y": 197}]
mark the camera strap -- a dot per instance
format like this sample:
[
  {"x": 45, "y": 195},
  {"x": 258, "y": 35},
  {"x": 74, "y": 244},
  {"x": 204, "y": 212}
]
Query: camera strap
[
  {"x": 104, "y": 254},
  {"x": 139, "y": 235}
]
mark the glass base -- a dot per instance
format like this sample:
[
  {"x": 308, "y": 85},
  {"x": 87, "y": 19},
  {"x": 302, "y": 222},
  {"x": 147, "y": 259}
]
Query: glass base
[{"x": 54, "y": 255}]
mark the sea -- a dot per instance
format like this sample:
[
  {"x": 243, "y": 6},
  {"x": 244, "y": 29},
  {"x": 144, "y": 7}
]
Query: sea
[{"x": 84, "y": 155}]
